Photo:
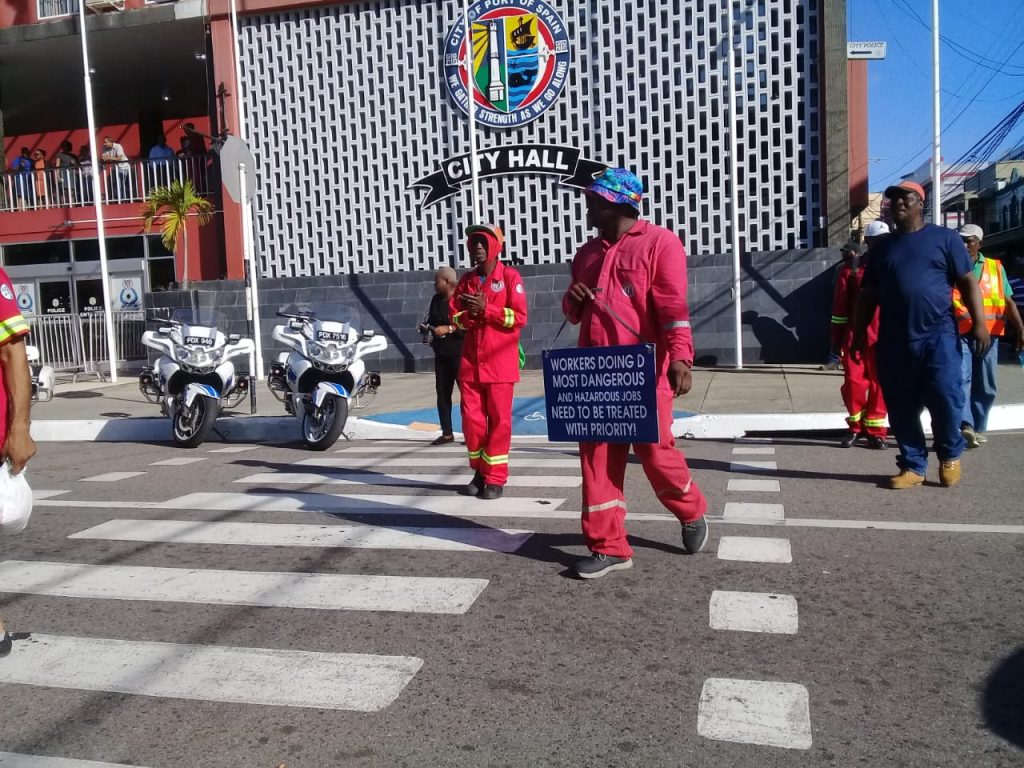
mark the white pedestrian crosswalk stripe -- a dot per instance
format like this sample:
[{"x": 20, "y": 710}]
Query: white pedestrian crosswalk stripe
[
  {"x": 770, "y": 714},
  {"x": 760, "y": 486},
  {"x": 301, "y": 535},
  {"x": 411, "y": 450},
  {"x": 43, "y": 494},
  {"x": 15, "y": 760},
  {"x": 234, "y": 449},
  {"x": 753, "y": 450},
  {"x": 178, "y": 461},
  {"x": 753, "y": 612},
  {"x": 338, "y": 592},
  {"x": 739, "y": 510},
  {"x": 290, "y": 678},
  {"x": 753, "y": 466},
  {"x": 369, "y": 478},
  {"x": 411, "y": 463},
  {"x": 383, "y": 504},
  {"x": 111, "y": 477},
  {"x": 754, "y": 549}
]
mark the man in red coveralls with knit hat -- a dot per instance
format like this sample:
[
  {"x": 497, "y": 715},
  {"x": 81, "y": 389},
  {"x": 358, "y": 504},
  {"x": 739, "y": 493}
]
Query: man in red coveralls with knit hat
[
  {"x": 633, "y": 274},
  {"x": 489, "y": 304},
  {"x": 861, "y": 391}
]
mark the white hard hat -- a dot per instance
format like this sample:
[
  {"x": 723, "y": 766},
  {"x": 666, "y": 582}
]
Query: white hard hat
[{"x": 876, "y": 228}]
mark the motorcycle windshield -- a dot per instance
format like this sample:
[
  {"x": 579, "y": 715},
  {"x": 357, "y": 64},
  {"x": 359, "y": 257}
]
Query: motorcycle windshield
[
  {"x": 191, "y": 320},
  {"x": 345, "y": 314}
]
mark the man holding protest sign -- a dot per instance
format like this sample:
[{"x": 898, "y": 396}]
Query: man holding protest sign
[
  {"x": 489, "y": 304},
  {"x": 628, "y": 287}
]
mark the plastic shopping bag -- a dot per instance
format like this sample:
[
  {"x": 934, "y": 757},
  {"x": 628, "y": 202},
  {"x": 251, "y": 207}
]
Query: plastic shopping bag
[{"x": 15, "y": 500}]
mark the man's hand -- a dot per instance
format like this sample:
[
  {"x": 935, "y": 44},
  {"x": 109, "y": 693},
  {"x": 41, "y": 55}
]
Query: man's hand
[
  {"x": 858, "y": 344},
  {"x": 1018, "y": 342},
  {"x": 474, "y": 303},
  {"x": 19, "y": 448},
  {"x": 579, "y": 292},
  {"x": 679, "y": 378},
  {"x": 982, "y": 339},
  {"x": 436, "y": 330}
]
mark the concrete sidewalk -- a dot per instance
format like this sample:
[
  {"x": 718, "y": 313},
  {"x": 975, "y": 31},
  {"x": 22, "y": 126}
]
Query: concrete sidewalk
[{"x": 722, "y": 403}]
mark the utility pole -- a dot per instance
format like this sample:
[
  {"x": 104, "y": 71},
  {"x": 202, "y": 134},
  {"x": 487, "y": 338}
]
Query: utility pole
[{"x": 937, "y": 217}]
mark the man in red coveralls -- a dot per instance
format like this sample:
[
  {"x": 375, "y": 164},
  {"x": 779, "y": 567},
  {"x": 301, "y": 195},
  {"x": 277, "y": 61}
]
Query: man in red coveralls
[
  {"x": 637, "y": 270},
  {"x": 489, "y": 304},
  {"x": 16, "y": 445},
  {"x": 861, "y": 391}
]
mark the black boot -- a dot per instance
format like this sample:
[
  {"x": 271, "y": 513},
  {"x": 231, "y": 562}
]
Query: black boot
[
  {"x": 490, "y": 493},
  {"x": 474, "y": 486}
]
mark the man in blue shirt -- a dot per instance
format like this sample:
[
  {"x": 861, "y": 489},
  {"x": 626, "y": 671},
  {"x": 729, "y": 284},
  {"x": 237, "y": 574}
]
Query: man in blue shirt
[{"x": 910, "y": 278}]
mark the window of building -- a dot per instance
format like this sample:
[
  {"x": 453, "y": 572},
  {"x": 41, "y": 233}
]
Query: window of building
[{"x": 29, "y": 254}]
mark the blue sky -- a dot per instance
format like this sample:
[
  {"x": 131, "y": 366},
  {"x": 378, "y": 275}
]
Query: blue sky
[{"x": 900, "y": 87}]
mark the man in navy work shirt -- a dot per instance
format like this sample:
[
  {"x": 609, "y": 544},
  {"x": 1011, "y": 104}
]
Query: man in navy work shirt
[{"x": 910, "y": 278}]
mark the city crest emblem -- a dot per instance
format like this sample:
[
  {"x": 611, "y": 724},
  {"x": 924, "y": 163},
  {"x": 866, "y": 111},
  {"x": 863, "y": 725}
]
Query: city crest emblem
[{"x": 520, "y": 61}]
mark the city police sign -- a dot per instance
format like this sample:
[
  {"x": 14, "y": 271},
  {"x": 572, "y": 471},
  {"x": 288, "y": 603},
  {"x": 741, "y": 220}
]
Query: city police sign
[{"x": 519, "y": 62}]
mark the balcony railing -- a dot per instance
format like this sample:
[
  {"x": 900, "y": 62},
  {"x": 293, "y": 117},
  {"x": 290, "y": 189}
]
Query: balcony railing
[
  {"x": 49, "y": 9},
  {"x": 125, "y": 182}
]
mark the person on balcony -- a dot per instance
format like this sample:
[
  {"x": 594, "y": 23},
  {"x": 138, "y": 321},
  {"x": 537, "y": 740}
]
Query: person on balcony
[
  {"x": 22, "y": 167},
  {"x": 120, "y": 180},
  {"x": 39, "y": 164},
  {"x": 85, "y": 174},
  {"x": 66, "y": 164},
  {"x": 160, "y": 162}
]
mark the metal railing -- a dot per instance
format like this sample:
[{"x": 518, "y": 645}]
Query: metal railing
[
  {"x": 124, "y": 182},
  {"x": 77, "y": 344}
]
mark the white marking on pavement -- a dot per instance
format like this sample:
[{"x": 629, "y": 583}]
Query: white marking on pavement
[
  {"x": 753, "y": 451},
  {"x": 410, "y": 463},
  {"x": 336, "y": 592},
  {"x": 753, "y": 612},
  {"x": 755, "y": 712},
  {"x": 750, "y": 511},
  {"x": 301, "y": 535},
  {"x": 37, "y": 494},
  {"x": 286, "y": 678},
  {"x": 882, "y": 525},
  {"x": 753, "y": 466},
  {"x": 14, "y": 760},
  {"x": 234, "y": 449},
  {"x": 382, "y": 504},
  {"x": 369, "y": 478},
  {"x": 754, "y": 549},
  {"x": 111, "y": 477},
  {"x": 765, "y": 486},
  {"x": 418, "y": 449},
  {"x": 180, "y": 461}
]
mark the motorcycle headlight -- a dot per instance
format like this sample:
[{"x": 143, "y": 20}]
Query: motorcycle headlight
[{"x": 184, "y": 354}]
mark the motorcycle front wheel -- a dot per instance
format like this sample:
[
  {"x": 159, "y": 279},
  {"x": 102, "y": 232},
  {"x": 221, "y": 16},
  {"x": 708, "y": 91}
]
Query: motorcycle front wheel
[
  {"x": 321, "y": 428},
  {"x": 193, "y": 425}
]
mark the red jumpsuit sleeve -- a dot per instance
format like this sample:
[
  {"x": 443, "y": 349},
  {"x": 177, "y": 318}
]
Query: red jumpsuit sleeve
[
  {"x": 513, "y": 316},
  {"x": 459, "y": 317},
  {"x": 12, "y": 324},
  {"x": 573, "y": 310},
  {"x": 668, "y": 292},
  {"x": 840, "y": 325}
]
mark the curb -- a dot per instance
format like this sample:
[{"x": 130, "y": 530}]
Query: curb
[{"x": 285, "y": 429}]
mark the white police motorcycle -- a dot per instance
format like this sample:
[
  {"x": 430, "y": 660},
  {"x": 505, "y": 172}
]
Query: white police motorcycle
[
  {"x": 194, "y": 378},
  {"x": 42, "y": 376},
  {"x": 324, "y": 373}
]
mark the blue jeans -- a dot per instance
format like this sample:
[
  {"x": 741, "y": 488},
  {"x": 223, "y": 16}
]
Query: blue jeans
[
  {"x": 923, "y": 374},
  {"x": 979, "y": 375}
]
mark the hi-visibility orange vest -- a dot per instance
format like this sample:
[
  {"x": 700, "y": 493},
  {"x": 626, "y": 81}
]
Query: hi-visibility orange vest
[{"x": 992, "y": 296}]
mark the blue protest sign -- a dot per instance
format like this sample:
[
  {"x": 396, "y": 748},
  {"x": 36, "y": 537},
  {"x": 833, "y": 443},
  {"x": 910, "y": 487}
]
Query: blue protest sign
[{"x": 601, "y": 394}]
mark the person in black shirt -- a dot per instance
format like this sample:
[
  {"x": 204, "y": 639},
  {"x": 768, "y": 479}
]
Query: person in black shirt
[{"x": 446, "y": 341}]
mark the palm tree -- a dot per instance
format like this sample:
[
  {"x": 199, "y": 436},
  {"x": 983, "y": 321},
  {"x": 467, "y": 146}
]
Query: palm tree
[{"x": 170, "y": 208}]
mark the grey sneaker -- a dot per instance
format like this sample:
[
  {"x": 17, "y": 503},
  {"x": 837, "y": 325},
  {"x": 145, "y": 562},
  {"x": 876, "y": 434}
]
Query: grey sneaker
[
  {"x": 970, "y": 436},
  {"x": 695, "y": 535},
  {"x": 981, "y": 437},
  {"x": 598, "y": 564}
]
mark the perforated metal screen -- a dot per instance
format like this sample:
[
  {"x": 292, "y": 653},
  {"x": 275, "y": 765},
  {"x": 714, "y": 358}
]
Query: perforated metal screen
[{"x": 348, "y": 107}]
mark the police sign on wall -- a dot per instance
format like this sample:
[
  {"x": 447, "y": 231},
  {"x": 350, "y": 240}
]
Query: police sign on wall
[{"x": 520, "y": 61}]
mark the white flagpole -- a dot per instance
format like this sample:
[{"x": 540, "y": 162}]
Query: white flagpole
[
  {"x": 468, "y": 28},
  {"x": 97, "y": 197},
  {"x": 734, "y": 189},
  {"x": 936, "y": 129}
]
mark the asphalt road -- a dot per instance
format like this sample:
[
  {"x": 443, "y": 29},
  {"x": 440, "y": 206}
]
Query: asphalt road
[{"x": 909, "y": 642}]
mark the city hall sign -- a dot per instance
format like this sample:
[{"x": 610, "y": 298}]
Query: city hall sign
[{"x": 520, "y": 61}]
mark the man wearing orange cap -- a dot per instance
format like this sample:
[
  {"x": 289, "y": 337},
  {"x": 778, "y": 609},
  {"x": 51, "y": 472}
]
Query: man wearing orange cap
[
  {"x": 489, "y": 304},
  {"x": 910, "y": 278},
  {"x": 629, "y": 285}
]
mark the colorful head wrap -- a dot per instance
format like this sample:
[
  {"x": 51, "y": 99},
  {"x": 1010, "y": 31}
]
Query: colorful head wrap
[{"x": 617, "y": 185}]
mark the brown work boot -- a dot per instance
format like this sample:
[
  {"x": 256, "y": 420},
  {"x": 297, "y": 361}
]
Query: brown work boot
[
  {"x": 905, "y": 479},
  {"x": 949, "y": 473}
]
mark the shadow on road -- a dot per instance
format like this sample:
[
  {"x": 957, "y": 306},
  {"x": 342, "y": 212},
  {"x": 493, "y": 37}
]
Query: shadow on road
[{"x": 1003, "y": 699}]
